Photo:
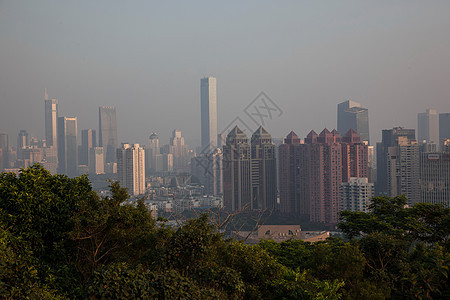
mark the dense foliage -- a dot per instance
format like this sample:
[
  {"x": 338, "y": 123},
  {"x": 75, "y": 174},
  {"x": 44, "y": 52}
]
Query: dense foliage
[{"x": 59, "y": 239}]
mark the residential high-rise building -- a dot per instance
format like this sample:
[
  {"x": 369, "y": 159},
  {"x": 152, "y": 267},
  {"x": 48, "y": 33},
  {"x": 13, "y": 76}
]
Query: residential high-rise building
[
  {"x": 263, "y": 170},
  {"x": 131, "y": 168},
  {"x": 208, "y": 95},
  {"x": 311, "y": 173},
  {"x": 389, "y": 139},
  {"x": 107, "y": 128},
  {"x": 351, "y": 115},
  {"x": 427, "y": 127},
  {"x": 355, "y": 158},
  {"x": 292, "y": 158},
  {"x": 403, "y": 170},
  {"x": 356, "y": 194},
  {"x": 236, "y": 171},
  {"x": 324, "y": 175},
  {"x": 435, "y": 178},
  {"x": 444, "y": 127},
  {"x": 67, "y": 146},
  {"x": 88, "y": 141}
]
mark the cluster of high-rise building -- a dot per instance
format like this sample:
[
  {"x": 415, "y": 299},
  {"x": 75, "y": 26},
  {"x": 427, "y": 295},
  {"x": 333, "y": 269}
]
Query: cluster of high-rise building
[{"x": 310, "y": 179}]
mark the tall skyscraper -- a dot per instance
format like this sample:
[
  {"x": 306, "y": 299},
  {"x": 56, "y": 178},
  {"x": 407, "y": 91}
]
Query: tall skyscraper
[
  {"x": 4, "y": 147},
  {"x": 249, "y": 171},
  {"x": 67, "y": 146},
  {"x": 352, "y": 116},
  {"x": 107, "y": 127},
  {"x": 236, "y": 171},
  {"x": 131, "y": 168},
  {"x": 88, "y": 141},
  {"x": 444, "y": 127},
  {"x": 23, "y": 142},
  {"x": 51, "y": 121},
  {"x": 427, "y": 127},
  {"x": 208, "y": 94},
  {"x": 263, "y": 170},
  {"x": 324, "y": 175},
  {"x": 292, "y": 163},
  {"x": 153, "y": 158},
  {"x": 389, "y": 139}
]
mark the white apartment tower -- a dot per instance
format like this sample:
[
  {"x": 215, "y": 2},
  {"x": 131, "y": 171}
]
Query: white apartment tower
[
  {"x": 208, "y": 95},
  {"x": 131, "y": 168}
]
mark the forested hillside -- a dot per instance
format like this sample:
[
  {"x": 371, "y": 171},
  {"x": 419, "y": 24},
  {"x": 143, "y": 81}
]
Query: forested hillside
[{"x": 59, "y": 239}]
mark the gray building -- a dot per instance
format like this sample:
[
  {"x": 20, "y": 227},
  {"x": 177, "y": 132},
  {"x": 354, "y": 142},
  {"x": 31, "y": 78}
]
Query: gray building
[
  {"x": 237, "y": 190},
  {"x": 67, "y": 146},
  {"x": 444, "y": 127},
  {"x": 389, "y": 139},
  {"x": 427, "y": 127},
  {"x": 88, "y": 141},
  {"x": 4, "y": 161},
  {"x": 263, "y": 170},
  {"x": 107, "y": 129},
  {"x": 435, "y": 178},
  {"x": 350, "y": 115},
  {"x": 208, "y": 169},
  {"x": 208, "y": 95}
]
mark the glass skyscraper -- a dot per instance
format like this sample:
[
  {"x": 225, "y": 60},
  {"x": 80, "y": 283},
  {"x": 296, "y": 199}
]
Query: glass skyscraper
[
  {"x": 67, "y": 146},
  {"x": 107, "y": 129},
  {"x": 351, "y": 115}
]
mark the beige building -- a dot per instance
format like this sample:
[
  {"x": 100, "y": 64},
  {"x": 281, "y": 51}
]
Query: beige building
[{"x": 131, "y": 168}]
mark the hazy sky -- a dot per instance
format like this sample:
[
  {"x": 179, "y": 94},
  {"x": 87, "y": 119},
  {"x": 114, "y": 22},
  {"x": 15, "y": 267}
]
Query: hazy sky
[{"x": 147, "y": 58}]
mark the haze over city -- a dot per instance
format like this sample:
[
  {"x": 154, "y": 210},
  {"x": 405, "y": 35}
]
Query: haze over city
[{"x": 147, "y": 58}]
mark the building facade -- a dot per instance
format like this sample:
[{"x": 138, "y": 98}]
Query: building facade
[
  {"x": 403, "y": 170},
  {"x": 428, "y": 127},
  {"x": 88, "y": 141},
  {"x": 208, "y": 95},
  {"x": 444, "y": 127},
  {"x": 236, "y": 171},
  {"x": 435, "y": 178},
  {"x": 131, "y": 168},
  {"x": 107, "y": 129},
  {"x": 263, "y": 170},
  {"x": 351, "y": 115},
  {"x": 51, "y": 121},
  {"x": 67, "y": 146},
  {"x": 356, "y": 194},
  {"x": 389, "y": 139}
]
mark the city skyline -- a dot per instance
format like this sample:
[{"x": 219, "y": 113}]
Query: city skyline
[{"x": 391, "y": 57}]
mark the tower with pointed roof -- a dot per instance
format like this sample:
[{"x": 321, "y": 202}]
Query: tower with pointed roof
[
  {"x": 237, "y": 191},
  {"x": 263, "y": 170}
]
